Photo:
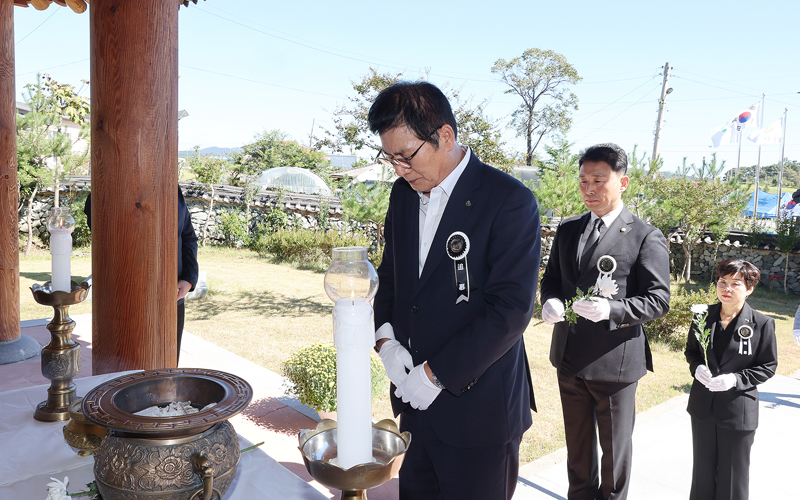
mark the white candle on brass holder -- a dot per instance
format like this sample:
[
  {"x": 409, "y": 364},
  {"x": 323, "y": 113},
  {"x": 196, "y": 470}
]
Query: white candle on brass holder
[
  {"x": 351, "y": 282},
  {"x": 61, "y": 224}
]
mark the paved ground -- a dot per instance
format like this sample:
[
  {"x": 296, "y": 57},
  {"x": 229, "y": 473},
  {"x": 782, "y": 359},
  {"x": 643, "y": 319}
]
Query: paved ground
[{"x": 662, "y": 437}]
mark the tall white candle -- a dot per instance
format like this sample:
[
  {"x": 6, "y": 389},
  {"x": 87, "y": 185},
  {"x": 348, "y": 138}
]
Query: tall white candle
[
  {"x": 353, "y": 334},
  {"x": 60, "y": 224},
  {"x": 60, "y": 250}
]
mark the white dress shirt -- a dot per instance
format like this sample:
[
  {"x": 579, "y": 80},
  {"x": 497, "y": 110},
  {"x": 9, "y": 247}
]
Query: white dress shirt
[{"x": 608, "y": 219}]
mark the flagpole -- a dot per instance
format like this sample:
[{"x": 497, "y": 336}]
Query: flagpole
[
  {"x": 758, "y": 165},
  {"x": 780, "y": 175}
]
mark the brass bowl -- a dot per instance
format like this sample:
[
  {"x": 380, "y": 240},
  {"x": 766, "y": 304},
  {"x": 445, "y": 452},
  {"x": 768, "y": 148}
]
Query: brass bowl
[
  {"x": 81, "y": 435},
  {"x": 113, "y": 404},
  {"x": 318, "y": 447},
  {"x": 46, "y": 296}
]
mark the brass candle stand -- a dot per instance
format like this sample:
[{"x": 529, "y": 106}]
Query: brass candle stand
[
  {"x": 61, "y": 358},
  {"x": 319, "y": 449}
]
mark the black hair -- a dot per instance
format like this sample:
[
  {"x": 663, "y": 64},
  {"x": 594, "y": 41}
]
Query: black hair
[
  {"x": 608, "y": 153},
  {"x": 749, "y": 272},
  {"x": 420, "y": 106}
]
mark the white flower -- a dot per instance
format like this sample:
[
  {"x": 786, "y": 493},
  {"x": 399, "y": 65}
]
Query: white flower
[
  {"x": 699, "y": 308},
  {"x": 57, "y": 490},
  {"x": 605, "y": 286}
]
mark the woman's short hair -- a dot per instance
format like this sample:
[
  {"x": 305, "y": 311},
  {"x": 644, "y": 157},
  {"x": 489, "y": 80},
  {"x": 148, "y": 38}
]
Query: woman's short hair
[{"x": 749, "y": 273}]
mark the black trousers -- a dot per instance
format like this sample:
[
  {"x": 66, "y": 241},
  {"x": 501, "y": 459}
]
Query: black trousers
[
  {"x": 592, "y": 410},
  {"x": 721, "y": 468},
  {"x": 181, "y": 315},
  {"x": 433, "y": 470}
]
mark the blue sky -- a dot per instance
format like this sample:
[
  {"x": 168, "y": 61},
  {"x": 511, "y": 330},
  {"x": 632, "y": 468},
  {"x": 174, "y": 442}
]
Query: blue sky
[{"x": 250, "y": 65}]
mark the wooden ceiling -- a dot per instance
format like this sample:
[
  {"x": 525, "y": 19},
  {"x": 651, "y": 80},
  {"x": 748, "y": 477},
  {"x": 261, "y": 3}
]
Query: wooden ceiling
[{"x": 78, "y": 6}]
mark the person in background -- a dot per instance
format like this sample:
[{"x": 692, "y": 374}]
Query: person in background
[
  {"x": 796, "y": 329},
  {"x": 723, "y": 401},
  {"x": 603, "y": 354},
  {"x": 188, "y": 269}
]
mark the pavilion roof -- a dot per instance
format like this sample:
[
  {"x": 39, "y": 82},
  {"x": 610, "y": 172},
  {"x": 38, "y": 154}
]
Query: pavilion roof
[{"x": 78, "y": 6}]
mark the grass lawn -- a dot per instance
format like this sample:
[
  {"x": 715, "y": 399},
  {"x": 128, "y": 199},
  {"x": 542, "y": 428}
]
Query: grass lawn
[{"x": 264, "y": 311}]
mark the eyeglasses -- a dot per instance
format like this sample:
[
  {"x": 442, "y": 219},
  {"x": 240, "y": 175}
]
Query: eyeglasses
[
  {"x": 731, "y": 286},
  {"x": 400, "y": 161}
]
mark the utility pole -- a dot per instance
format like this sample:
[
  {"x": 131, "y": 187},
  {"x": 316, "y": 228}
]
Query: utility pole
[
  {"x": 661, "y": 103},
  {"x": 311, "y": 136}
]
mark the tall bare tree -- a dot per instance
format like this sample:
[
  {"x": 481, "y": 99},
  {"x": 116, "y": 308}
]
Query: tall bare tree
[{"x": 540, "y": 78}]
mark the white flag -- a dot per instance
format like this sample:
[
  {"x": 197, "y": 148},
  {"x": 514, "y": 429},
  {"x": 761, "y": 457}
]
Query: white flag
[
  {"x": 748, "y": 118},
  {"x": 771, "y": 134},
  {"x": 724, "y": 134}
]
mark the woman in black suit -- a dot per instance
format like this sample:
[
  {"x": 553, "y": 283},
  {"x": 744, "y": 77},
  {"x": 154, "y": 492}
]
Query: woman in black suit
[{"x": 723, "y": 402}]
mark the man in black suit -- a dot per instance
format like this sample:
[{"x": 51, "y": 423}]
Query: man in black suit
[
  {"x": 602, "y": 356},
  {"x": 457, "y": 289}
]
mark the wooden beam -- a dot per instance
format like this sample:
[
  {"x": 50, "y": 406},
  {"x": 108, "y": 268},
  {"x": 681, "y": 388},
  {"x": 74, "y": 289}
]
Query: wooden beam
[
  {"x": 9, "y": 196},
  {"x": 134, "y": 105}
]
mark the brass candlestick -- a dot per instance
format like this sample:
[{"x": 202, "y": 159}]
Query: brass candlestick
[
  {"x": 319, "y": 449},
  {"x": 61, "y": 358}
]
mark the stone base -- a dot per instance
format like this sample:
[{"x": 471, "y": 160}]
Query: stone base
[{"x": 12, "y": 351}]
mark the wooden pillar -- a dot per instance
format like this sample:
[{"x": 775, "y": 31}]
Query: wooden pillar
[
  {"x": 9, "y": 196},
  {"x": 134, "y": 61}
]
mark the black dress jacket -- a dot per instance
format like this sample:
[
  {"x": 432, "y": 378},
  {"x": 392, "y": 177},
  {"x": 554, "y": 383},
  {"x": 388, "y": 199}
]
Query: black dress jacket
[
  {"x": 737, "y": 408},
  {"x": 616, "y": 349},
  {"x": 475, "y": 348}
]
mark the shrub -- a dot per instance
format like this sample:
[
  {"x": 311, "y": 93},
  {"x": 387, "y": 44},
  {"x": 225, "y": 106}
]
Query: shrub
[
  {"x": 311, "y": 376},
  {"x": 233, "y": 225},
  {"x": 305, "y": 246},
  {"x": 672, "y": 328}
]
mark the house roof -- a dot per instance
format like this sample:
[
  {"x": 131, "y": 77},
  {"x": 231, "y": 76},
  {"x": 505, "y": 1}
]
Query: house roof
[{"x": 78, "y": 6}]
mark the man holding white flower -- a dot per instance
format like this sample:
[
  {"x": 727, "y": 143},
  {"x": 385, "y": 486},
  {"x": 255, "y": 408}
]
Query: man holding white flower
[{"x": 602, "y": 351}]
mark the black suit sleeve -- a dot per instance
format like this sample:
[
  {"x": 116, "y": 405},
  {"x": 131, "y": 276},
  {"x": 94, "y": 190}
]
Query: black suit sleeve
[
  {"x": 652, "y": 300},
  {"x": 190, "y": 268},
  {"x": 384, "y": 300},
  {"x": 765, "y": 362},
  {"x": 551, "y": 279}
]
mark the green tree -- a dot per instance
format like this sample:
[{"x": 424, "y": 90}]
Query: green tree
[
  {"x": 367, "y": 203},
  {"x": 272, "y": 149},
  {"x": 209, "y": 171},
  {"x": 42, "y": 137},
  {"x": 694, "y": 200},
  {"x": 558, "y": 182},
  {"x": 640, "y": 197},
  {"x": 475, "y": 129},
  {"x": 539, "y": 78}
]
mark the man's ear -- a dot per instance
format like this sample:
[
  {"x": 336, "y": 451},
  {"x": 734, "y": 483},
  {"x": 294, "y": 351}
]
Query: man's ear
[
  {"x": 447, "y": 137},
  {"x": 624, "y": 181}
]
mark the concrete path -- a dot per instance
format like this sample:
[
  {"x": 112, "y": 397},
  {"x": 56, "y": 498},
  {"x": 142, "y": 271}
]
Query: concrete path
[{"x": 662, "y": 451}]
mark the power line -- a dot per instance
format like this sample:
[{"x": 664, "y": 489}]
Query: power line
[
  {"x": 621, "y": 97},
  {"x": 36, "y": 28},
  {"x": 260, "y": 82},
  {"x": 620, "y": 113}
]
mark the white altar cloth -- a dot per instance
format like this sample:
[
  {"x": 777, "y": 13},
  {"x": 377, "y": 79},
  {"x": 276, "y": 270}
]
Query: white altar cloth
[{"x": 31, "y": 452}]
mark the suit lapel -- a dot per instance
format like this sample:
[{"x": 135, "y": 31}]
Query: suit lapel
[
  {"x": 453, "y": 219},
  {"x": 745, "y": 318},
  {"x": 618, "y": 229},
  {"x": 713, "y": 365}
]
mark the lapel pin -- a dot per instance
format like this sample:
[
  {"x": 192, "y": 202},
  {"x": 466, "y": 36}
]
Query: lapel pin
[
  {"x": 622, "y": 229},
  {"x": 469, "y": 203}
]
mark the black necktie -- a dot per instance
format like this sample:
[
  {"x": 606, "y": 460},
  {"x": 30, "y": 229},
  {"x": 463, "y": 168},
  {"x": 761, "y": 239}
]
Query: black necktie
[{"x": 591, "y": 243}]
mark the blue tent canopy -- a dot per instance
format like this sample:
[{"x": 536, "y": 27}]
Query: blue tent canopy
[{"x": 767, "y": 204}]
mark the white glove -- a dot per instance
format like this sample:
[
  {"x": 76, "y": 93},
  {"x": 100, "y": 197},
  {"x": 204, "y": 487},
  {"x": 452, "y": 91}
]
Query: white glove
[
  {"x": 722, "y": 382},
  {"x": 796, "y": 335},
  {"x": 593, "y": 310},
  {"x": 553, "y": 311},
  {"x": 417, "y": 389},
  {"x": 703, "y": 375},
  {"x": 396, "y": 359}
]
